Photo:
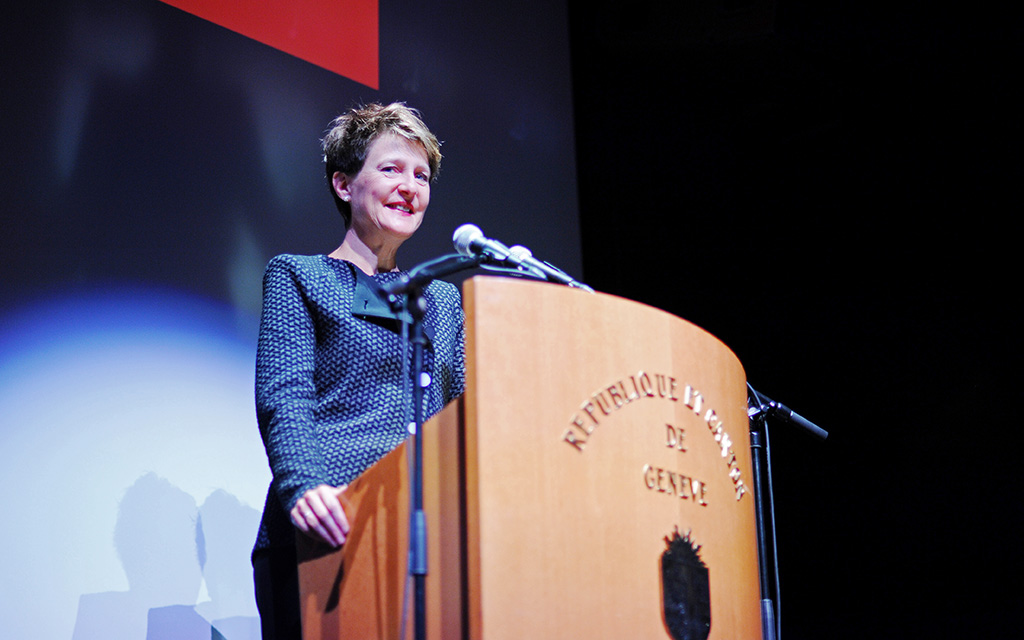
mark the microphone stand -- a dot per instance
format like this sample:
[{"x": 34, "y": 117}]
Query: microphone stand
[
  {"x": 407, "y": 294},
  {"x": 759, "y": 407}
]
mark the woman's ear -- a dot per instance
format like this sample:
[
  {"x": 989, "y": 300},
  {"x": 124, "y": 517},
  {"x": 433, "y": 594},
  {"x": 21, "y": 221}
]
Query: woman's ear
[{"x": 341, "y": 186}]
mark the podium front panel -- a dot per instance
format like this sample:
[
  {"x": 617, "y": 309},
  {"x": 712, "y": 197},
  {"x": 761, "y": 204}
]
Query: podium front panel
[{"x": 608, "y": 472}]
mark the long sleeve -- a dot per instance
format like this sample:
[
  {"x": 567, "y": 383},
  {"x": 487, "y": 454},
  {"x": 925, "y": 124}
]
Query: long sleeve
[{"x": 285, "y": 386}]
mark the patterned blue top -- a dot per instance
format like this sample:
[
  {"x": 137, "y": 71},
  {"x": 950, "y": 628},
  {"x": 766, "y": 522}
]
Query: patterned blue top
[{"x": 331, "y": 397}]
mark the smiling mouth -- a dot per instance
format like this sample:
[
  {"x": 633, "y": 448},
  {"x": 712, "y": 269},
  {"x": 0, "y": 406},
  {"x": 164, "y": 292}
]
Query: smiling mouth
[{"x": 404, "y": 208}]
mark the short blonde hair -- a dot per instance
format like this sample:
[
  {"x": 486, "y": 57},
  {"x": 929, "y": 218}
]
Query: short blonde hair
[{"x": 348, "y": 139}]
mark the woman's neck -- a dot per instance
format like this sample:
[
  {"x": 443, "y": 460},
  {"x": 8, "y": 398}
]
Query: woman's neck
[{"x": 369, "y": 258}]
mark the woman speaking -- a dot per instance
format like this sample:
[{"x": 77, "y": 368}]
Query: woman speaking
[{"x": 330, "y": 390}]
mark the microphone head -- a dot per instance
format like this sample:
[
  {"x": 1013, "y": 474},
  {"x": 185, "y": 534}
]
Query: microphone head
[
  {"x": 519, "y": 252},
  {"x": 464, "y": 237}
]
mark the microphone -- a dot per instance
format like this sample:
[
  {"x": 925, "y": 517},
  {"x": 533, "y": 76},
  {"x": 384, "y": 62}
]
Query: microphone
[
  {"x": 519, "y": 254},
  {"x": 470, "y": 240},
  {"x": 758, "y": 403},
  {"x": 546, "y": 269},
  {"x": 786, "y": 414}
]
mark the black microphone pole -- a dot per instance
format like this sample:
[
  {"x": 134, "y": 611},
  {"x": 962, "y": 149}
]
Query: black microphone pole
[
  {"x": 417, "y": 517},
  {"x": 407, "y": 293},
  {"x": 759, "y": 407}
]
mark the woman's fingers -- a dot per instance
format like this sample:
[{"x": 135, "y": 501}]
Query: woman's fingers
[
  {"x": 319, "y": 513},
  {"x": 330, "y": 515}
]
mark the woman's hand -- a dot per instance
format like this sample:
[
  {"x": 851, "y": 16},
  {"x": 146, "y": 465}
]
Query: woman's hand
[{"x": 319, "y": 514}]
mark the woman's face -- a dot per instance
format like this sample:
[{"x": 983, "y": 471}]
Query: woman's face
[{"x": 391, "y": 192}]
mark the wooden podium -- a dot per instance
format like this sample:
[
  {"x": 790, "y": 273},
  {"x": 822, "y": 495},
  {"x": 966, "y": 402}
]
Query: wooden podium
[{"x": 594, "y": 482}]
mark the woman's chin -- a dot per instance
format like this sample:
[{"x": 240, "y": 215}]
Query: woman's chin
[{"x": 403, "y": 228}]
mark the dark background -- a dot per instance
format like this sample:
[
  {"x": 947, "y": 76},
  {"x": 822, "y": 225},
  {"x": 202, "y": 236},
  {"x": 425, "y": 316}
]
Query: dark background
[{"x": 831, "y": 189}]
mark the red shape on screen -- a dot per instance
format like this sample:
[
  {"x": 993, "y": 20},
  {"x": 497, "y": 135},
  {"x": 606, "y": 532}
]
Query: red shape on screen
[{"x": 338, "y": 35}]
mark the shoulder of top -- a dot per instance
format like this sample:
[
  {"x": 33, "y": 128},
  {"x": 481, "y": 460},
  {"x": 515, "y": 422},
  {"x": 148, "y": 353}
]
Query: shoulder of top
[
  {"x": 445, "y": 289},
  {"x": 297, "y": 263},
  {"x": 292, "y": 260},
  {"x": 313, "y": 271}
]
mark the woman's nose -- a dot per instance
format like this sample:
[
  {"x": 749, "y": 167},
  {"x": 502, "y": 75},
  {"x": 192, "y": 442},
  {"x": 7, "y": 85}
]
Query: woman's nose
[{"x": 407, "y": 185}]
